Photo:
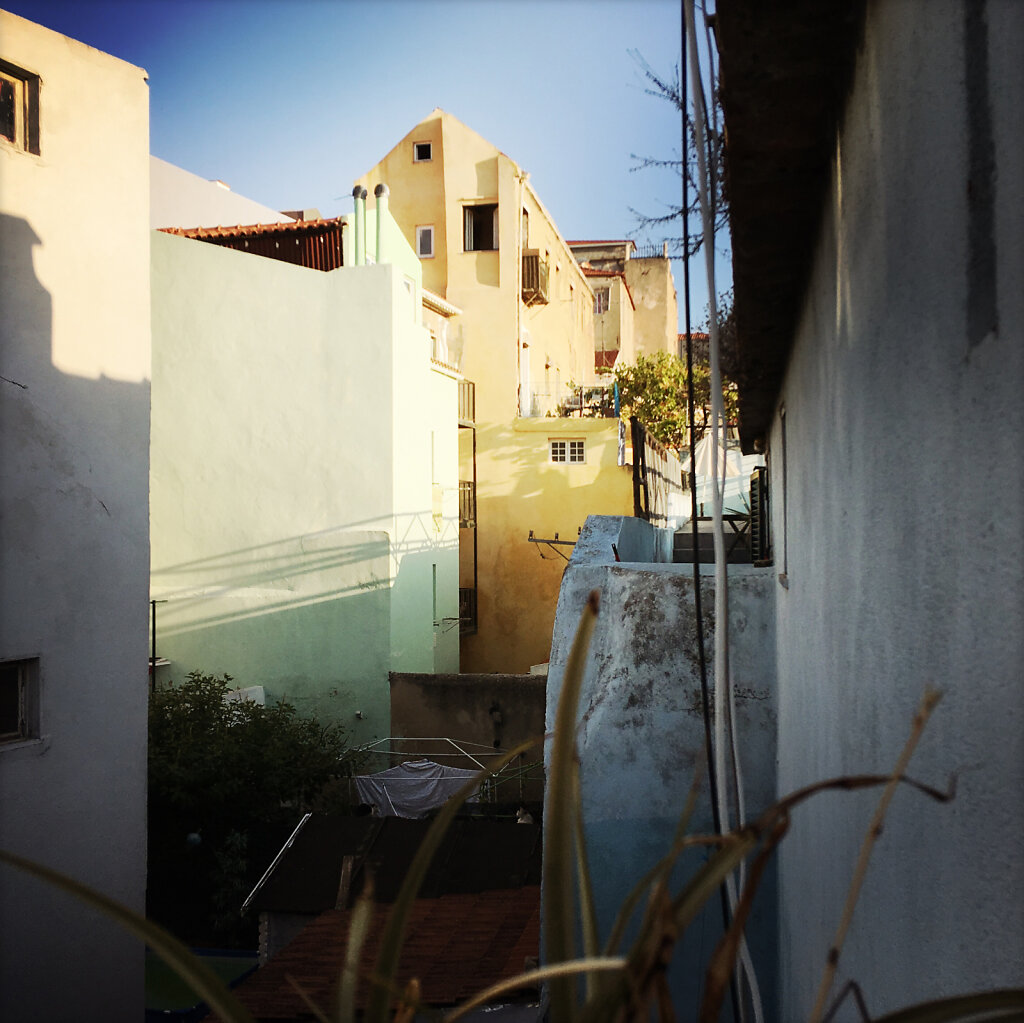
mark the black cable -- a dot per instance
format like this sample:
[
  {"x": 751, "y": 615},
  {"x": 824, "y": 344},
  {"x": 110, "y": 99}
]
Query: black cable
[{"x": 702, "y": 661}]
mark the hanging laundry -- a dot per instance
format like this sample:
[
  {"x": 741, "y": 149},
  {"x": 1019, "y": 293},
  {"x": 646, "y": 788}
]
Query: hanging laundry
[{"x": 412, "y": 789}]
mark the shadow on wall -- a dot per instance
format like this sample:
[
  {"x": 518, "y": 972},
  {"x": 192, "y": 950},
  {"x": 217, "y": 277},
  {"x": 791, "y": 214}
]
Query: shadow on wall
[{"x": 74, "y": 455}]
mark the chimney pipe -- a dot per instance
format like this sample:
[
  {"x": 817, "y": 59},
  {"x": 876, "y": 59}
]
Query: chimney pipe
[
  {"x": 357, "y": 242},
  {"x": 381, "y": 195},
  {"x": 359, "y": 202}
]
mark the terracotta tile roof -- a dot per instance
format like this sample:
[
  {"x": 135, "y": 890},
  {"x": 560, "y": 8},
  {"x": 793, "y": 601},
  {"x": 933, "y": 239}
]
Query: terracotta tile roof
[
  {"x": 455, "y": 945},
  {"x": 256, "y": 230},
  {"x": 605, "y": 359},
  {"x": 316, "y": 244},
  {"x": 591, "y": 272}
]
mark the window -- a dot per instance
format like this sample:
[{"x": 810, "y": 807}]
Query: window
[
  {"x": 425, "y": 242},
  {"x": 600, "y": 300},
  {"x": 19, "y": 704},
  {"x": 480, "y": 224},
  {"x": 422, "y": 152},
  {"x": 19, "y": 108},
  {"x": 572, "y": 451}
]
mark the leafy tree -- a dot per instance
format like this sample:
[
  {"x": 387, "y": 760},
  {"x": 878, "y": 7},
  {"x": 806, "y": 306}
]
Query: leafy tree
[
  {"x": 226, "y": 780},
  {"x": 654, "y": 389}
]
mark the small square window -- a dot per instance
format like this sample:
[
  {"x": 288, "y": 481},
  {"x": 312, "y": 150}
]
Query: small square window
[
  {"x": 600, "y": 300},
  {"x": 422, "y": 152},
  {"x": 572, "y": 451},
  {"x": 425, "y": 242},
  {"x": 19, "y": 108},
  {"x": 19, "y": 703}
]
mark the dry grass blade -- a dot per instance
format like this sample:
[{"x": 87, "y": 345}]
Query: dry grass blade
[
  {"x": 661, "y": 869},
  {"x": 529, "y": 979},
  {"x": 559, "y": 817},
  {"x": 681, "y": 912},
  {"x": 318, "y": 1014},
  {"x": 924, "y": 711},
  {"x": 203, "y": 981},
  {"x": 1001, "y": 1006},
  {"x": 386, "y": 968},
  {"x": 358, "y": 928},
  {"x": 723, "y": 961},
  {"x": 588, "y": 913},
  {"x": 406, "y": 1011}
]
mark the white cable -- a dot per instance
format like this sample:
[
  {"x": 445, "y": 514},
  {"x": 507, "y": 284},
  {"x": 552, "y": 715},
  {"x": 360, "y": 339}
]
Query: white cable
[{"x": 723, "y": 681}]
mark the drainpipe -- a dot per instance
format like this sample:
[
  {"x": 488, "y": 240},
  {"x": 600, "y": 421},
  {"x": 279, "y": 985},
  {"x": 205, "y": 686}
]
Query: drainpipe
[
  {"x": 359, "y": 244},
  {"x": 381, "y": 195}
]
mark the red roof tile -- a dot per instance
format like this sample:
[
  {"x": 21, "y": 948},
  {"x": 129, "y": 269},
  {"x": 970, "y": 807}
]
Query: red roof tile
[
  {"x": 257, "y": 230},
  {"x": 455, "y": 946}
]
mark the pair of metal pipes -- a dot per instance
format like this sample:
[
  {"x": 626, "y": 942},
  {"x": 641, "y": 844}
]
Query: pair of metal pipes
[{"x": 359, "y": 243}]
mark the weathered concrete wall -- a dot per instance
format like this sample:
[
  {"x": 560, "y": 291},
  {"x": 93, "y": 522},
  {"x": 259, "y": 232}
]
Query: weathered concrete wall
[
  {"x": 899, "y": 524},
  {"x": 74, "y": 547},
  {"x": 641, "y": 734},
  {"x": 654, "y": 295}
]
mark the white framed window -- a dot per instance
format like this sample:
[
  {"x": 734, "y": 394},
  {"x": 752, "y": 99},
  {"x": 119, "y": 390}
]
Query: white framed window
[
  {"x": 422, "y": 152},
  {"x": 480, "y": 225},
  {"x": 19, "y": 700},
  {"x": 425, "y": 241},
  {"x": 600, "y": 300},
  {"x": 19, "y": 108},
  {"x": 571, "y": 451}
]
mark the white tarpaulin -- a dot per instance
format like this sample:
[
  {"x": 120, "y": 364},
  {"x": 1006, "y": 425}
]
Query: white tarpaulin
[
  {"x": 734, "y": 476},
  {"x": 412, "y": 789}
]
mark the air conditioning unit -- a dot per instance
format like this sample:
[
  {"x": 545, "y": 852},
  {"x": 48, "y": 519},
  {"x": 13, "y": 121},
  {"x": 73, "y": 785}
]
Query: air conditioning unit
[{"x": 760, "y": 518}]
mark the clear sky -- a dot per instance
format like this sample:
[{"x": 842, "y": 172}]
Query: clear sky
[{"x": 289, "y": 102}]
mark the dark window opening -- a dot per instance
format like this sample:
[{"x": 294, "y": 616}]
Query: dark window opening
[
  {"x": 18, "y": 684},
  {"x": 481, "y": 227},
  {"x": 422, "y": 152},
  {"x": 19, "y": 107}
]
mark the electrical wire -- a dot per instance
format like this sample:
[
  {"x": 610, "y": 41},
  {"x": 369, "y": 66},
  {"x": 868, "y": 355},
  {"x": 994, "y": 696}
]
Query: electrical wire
[
  {"x": 724, "y": 696},
  {"x": 697, "y": 600}
]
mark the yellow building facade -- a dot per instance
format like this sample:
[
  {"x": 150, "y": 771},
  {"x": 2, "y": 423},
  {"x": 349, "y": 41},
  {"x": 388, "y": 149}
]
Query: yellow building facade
[{"x": 488, "y": 246}]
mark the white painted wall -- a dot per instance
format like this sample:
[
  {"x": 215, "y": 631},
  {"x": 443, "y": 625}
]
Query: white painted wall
[
  {"x": 74, "y": 453},
  {"x": 179, "y": 198},
  {"x": 901, "y": 536},
  {"x": 292, "y": 501}
]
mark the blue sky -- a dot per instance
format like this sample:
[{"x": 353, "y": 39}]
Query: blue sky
[{"x": 288, "y": 102}]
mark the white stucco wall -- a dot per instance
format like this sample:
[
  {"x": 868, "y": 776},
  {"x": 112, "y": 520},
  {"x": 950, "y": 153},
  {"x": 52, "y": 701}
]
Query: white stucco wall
[
  {"x": 74, "y": 450},
  {"x": 901, "y": 524},
  {"x": 179, "y": 198},
  {"x": 292, "y": 527}
]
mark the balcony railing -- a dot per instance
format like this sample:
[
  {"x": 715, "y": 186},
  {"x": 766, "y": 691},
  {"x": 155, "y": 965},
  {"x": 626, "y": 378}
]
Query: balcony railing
[
  {"x": 535, "y": 278},
  {"x": 467, "y": 504},
  {"x": 467, "y": 403},
  {"x": 467, "y": 610}
]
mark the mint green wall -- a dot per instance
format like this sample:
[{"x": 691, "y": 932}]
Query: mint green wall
[{"x": 282, "y": 399}]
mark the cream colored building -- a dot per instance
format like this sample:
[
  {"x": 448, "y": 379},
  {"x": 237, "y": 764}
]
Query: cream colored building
[
  {"x": 487, "y": 245},
  {"x": 74, "y": 545},
  {"x": 645, "y": 275}
]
